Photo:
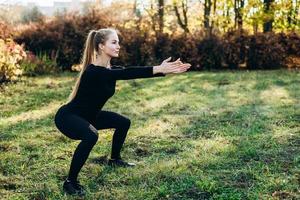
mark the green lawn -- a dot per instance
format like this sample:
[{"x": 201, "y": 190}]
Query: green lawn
[{"x": 197, "y": 135}]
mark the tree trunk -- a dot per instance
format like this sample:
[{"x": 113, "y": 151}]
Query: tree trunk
[
  {"x": 161, "y": 5},
  {"x": 183, "y": 23},
  {"x": 137, "y": 13},
  {"x": 292, "y": 14},
  {"x": 238, "y": 19},
  {"x": 268, "y": 24},
  {"x": 207, "y": 9},
  {"x": 214, "y": 13}
]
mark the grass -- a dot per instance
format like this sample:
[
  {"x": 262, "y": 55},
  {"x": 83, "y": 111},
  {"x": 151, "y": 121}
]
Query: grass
[{"x": 198, "y": 135}]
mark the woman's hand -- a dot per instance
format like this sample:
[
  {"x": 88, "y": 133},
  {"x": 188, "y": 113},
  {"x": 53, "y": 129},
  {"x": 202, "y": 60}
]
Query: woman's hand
[{"x": 175, "y": 67}]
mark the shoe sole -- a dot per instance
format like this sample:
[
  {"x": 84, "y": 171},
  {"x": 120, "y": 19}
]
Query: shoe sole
[
  {"x": 73, "y": 194},
  {"x": 114, "y": 165}
]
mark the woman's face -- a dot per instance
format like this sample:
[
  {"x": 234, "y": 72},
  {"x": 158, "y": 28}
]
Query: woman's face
[{"x": 111, "y": 46}]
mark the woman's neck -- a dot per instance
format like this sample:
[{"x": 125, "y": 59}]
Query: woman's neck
[{"x": 103, "y": 61}]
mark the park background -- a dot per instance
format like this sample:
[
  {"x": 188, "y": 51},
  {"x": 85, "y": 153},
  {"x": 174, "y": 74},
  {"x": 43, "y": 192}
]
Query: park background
[{"x": 226, "y": 129}]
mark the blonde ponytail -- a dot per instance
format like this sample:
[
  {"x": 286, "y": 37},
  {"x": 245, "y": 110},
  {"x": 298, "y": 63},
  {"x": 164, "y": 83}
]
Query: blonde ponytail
[{"x": 88, "y": 56}]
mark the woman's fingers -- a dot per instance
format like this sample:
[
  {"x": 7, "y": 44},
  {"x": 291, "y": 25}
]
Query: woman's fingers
[
  {"x": 176, "y": 63},
  {"x": 182, "y": 67},
  {"x": 186, "y": 65},
  {"x": 179, "y": 71},
  {"x": 168, "y": 59}
]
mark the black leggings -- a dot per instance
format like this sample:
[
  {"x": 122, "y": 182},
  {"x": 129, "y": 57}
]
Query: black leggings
[{"x": 78, "y": 128}]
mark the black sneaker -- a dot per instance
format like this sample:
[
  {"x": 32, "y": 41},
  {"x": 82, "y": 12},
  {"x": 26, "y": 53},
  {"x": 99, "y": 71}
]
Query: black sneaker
[
  {"x": 119, "y": 163},
  {"x": 73, "y": 188}
]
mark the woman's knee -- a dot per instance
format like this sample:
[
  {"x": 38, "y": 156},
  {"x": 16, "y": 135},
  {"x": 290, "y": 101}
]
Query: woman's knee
[
  {"x": 126, "y": 122},
  {"x": 91, "y": 138}
]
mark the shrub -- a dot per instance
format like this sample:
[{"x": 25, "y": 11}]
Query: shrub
[
  {"x": 41, "y": 37},
  {"x": 11, "y": 54},
  {"x": 210, "y": 53},
  {"x": 136, "y": 48},
  {"x": 36, "y": 65},
  {"x": 291, "y": 43},
  {"x": 234, "y": 49},
  {"x": 265, "y": 52},
  {"x": 65, "y": 35},
  {"x": 185, "y": 47},
  {"x": 5, "y": 31},
  {"x": 162, "y": 47}
]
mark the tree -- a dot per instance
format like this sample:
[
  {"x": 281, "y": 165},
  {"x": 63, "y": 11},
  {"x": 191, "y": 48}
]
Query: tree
[
  {"x": 214, "y": 14},
  {"x": 156, "y": 13},
  {"x": 32, "y": 15},
  {"x": 269, "y": 16},
  {"x": 161, "y": 4},
  {"x": 292, "y": 13},
  {"x": 238, "y": 10},
  {"x": 137, "y": 14},
  {"x": 207, "y": 9},
  {"x": 182, "y": 22}
]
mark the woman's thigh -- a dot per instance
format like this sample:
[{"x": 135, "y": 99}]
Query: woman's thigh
[
  {"x": 108, "y": 119},
  {"x": 74, "y": 126}
]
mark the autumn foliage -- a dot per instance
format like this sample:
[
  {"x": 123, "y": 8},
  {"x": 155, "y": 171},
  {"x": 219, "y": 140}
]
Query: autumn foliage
[{"x": 64, "y": 37}]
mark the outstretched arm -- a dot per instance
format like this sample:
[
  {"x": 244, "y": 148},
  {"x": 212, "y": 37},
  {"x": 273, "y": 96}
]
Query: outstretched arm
[
  {"x": 149, "y": 71},
  {"x": 134, "y": 73}
]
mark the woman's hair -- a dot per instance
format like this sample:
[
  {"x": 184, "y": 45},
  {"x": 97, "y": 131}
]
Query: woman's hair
[{"x": 94, "y": 38}]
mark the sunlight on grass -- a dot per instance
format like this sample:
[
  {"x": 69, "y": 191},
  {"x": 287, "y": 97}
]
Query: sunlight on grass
[
  {"x": 163, "y": 127},
  {"x": 157, "y": 128},
  {"x": 282, "y": 133},
  {"x": 159, "y": 102},
  {"x": 208, "y": 86},
  {"x": 31, "y": 115},
  {"x": 276, "y": 95},
  {"x": 236, "y": 98},
  {"x": 52, "y": 81},
  {"x": 216, "y": 145},
  {"x": 167, "y": 82}
]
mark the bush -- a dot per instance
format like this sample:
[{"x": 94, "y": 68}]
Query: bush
[
  {"x": 42, "y": 37},
  {"x": 36, "y": 65},
  {"x": 136, "y": 48},
  {"x": 5, "y": 31},
  {"x": 210, "y": 53},
  {"x": 141, "y": 48},
  {"x": 265, "y": 52},
  {"x": 64, "y": 35},
  {"x": 185, "y": 47},
  {"x": 234, "y": 49},
  {"x": 290, "y": 42},
  {"x": 11, "y": 54},
  {"x": 162, "y": 47}
]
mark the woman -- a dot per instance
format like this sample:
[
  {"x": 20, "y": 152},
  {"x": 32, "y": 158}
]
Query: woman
[{"x": 81, "y": 117}]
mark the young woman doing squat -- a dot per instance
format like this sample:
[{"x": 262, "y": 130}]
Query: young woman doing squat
[{"x": 82, "y": 116}]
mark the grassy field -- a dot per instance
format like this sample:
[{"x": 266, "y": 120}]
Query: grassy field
[{"x": 197, "y": 135}]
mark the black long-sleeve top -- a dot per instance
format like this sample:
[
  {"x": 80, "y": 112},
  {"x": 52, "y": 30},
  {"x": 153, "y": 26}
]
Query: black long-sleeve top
[{"x": 98, "y": 83}]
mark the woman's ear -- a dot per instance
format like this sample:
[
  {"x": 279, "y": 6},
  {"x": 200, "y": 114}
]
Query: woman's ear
[{"x": 100, "y": 46}]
